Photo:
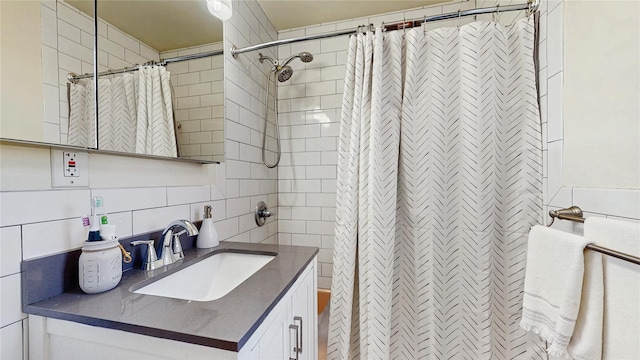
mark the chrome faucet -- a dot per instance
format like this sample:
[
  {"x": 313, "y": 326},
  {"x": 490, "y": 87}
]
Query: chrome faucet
[{"x": 171, "y": 253}]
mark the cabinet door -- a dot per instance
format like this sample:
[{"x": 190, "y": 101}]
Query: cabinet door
[
  {"x": 276, "y": 337},
  {"x": 304, "y": 315},
  {"x": 273, "y": 343}
]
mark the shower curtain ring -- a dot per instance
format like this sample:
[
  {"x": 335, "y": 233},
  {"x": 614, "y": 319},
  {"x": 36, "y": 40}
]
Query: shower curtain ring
[
  {"x": 404, "y": 26},
  {"x": 533, "y": 6}
]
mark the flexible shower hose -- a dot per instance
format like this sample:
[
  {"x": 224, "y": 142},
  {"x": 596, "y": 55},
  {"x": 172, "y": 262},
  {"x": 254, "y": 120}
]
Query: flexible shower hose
[{"x": 275, "y": 122}]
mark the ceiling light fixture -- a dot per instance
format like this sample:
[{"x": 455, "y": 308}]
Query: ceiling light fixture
[{"x": 220, "y": 9}]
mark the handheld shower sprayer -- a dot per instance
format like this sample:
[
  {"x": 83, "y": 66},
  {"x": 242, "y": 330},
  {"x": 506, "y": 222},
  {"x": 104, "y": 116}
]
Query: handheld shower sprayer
[
  {"x": 282, "y": 72},
  {"x": 305, "y": 57}
]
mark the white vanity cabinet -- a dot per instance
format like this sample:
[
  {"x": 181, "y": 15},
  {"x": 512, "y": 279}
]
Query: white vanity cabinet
[
  {"x": 291, "y": 329},
  {"x": 275, "y": 338}
]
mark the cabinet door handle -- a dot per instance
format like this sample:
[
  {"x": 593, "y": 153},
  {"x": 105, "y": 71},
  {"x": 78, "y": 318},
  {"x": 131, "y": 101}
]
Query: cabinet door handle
[
  {"x": 299, "y": 318},
  {"x": 295, "y": 347}
]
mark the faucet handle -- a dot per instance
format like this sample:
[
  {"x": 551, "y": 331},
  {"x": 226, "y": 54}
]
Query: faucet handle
[
  {"x": 167, "y": 252},
  {"x": 151, "y": 261},
  {"x": 178, "y": 254}
]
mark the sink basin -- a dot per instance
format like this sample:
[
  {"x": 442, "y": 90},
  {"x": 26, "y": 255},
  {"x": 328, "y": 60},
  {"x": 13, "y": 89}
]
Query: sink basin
[{"x": 208, "y": 279}]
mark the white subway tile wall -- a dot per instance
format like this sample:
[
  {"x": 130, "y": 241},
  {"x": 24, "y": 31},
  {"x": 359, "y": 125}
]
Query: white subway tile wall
[
  {"x": 301, "y": 190},
  {"x": 198, "y": 87},
  {"x": 11, "y": 316},
  {"x": 72, "y": 51},
  {"x": 48, "y": 221},
  {"x": 247, "y": 181}
]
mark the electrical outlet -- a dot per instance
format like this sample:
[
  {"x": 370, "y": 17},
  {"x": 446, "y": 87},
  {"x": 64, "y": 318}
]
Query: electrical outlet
[
  {"x": 69, "y": 168},
  {"x": 70, "y": 164}
]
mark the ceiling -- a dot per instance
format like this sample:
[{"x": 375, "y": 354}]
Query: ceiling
[
  {"x": 161, "y": 24},
  {"x": 174, "y": 24},
  {"x": 287, "y": 14}
]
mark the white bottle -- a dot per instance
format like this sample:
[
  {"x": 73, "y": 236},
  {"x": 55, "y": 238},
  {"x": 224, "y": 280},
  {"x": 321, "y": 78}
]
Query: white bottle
[{"x": 207, "y": 235}]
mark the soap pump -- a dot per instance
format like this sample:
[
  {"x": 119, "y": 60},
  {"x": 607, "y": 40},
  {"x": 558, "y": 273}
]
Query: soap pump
[{"x": 207, "y": 235}]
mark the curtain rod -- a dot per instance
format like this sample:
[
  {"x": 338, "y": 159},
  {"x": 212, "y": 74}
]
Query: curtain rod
[
  {"x": 75, "y": 77},
  {"x": 530, "y": 6}
]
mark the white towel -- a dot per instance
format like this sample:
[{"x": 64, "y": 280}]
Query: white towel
[
  {"x": 622, "y": 286},
  {"x": 553, "y": 288},
  {"x": 586, "y": 342}
]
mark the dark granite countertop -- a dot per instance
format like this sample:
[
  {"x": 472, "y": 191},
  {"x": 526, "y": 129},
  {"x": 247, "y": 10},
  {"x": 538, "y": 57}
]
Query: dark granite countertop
[{"x": 225, "y": 323}]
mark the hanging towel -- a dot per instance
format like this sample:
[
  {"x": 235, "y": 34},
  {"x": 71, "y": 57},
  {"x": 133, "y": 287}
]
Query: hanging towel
[
  {"x": 622, "y": 286},
  {"x": 586, "y": 342},
  {"x": 553, "y": 287}
]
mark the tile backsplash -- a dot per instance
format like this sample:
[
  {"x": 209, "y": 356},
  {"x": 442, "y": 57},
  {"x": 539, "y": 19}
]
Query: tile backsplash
[{"x": 140, "y": 195}]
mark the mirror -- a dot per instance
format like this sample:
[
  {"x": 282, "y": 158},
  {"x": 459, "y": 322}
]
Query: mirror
[{"x": 59, "y": 40}]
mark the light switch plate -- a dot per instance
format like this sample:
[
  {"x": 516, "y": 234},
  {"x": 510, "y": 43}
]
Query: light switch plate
[{"x": 69, "y": 169}]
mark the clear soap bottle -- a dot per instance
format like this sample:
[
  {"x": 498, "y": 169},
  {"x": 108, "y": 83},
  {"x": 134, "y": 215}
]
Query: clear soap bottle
[{"x": 207, "y": 235}]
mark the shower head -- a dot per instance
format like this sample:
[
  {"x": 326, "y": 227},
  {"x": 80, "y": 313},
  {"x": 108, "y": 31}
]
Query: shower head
[
  {"x": 285, "y": 73},
  {"x": 303, "y": 56}
]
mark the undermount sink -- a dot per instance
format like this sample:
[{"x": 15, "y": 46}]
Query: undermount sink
[{"x": 210, "y": 278}]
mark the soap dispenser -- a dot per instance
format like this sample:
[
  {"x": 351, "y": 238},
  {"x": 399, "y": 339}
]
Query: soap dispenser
[{"x": 207, "y": 235}]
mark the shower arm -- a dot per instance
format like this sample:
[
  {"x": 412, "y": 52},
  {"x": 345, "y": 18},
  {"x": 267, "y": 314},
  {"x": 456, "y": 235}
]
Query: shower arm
[
  {"x": 262, "y": 58},
  {"x": 290, "y": 59}
]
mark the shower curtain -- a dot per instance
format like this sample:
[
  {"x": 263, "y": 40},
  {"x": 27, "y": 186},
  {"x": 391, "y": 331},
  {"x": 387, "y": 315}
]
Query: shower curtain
[
  {"x": 439, "y": 180},
  {"x": 135, "y": 113}
]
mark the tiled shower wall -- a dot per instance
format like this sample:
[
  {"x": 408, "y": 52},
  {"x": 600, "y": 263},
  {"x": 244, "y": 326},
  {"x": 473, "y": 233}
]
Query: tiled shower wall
[
  {"x": 310, "y": 102},
  {"x": 248, "y": 181},
  {"x": 309, "y": 116}
]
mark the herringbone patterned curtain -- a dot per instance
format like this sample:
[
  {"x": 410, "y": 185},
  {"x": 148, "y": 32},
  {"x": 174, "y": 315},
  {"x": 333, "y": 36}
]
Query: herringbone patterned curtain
[
  {"x": 135, "y": 113},
  {"x": 117, "y": 99},
  {"x": 439, "y": 180}
]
